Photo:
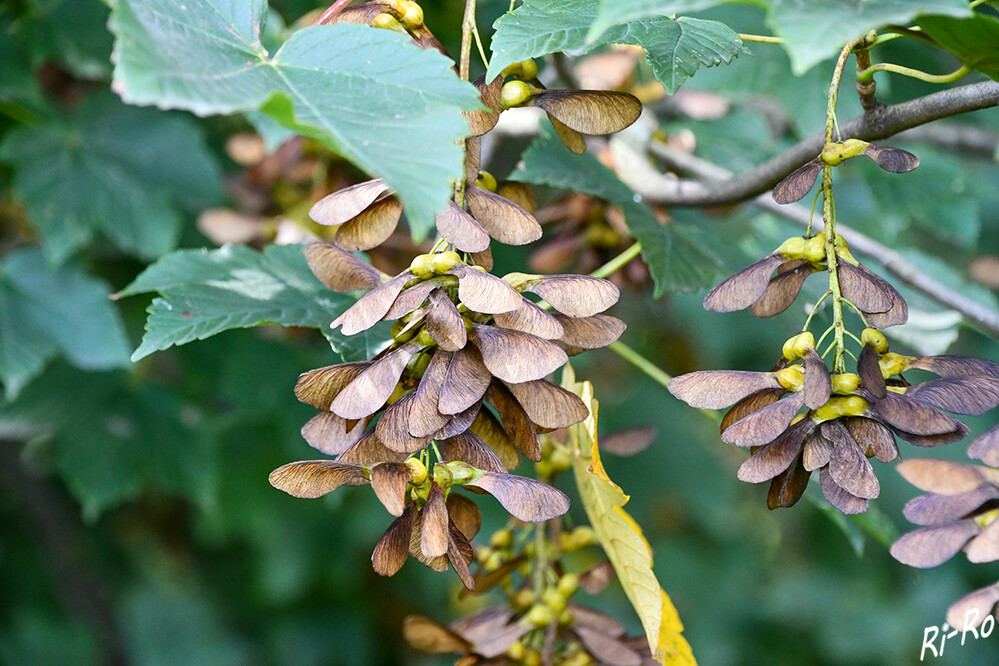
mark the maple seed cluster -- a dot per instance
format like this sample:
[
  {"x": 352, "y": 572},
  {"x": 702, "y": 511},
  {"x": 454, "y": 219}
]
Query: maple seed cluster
[
  {"x": 801, "y": 417},
  {"x": 460, "y": 391},
  {"x": 959, "y": 511}
]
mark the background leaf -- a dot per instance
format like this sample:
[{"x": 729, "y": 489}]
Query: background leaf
[
  {"x": 388, "y": 106},
  {"x": 45, "y": 312},
  {"x": 676, "y": 253},
  {"x": 622, "y": 538},
  {"x": 205, "y": 292},
  {"x": 616, "y": 12},
  {"x": 675, "y": 48},
  {"x": 974, "y": 41},
  {"x": 814, "y": 30},
  {"x": 109, "y": 168}
]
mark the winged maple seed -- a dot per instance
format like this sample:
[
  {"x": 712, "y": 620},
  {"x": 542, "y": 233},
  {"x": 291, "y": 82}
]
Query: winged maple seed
[
  {"x": 795, "y": 186},
  {"x": 796, "y": 259},
  {"x": 847, "y": 417}
]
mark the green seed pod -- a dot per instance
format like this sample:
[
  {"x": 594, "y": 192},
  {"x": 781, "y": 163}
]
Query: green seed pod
[
  {"x": 845, "y": 383},
  {"x": 445, "y": 261},
  {"x": 876, "y": 339},
  {"x": 412, "y": 14},
  {"x": 422, "y": 266},
  {"x": 486, "y": 181},
  {"x": 388, "y": 22},
  {"x": 515, "y": 93}
]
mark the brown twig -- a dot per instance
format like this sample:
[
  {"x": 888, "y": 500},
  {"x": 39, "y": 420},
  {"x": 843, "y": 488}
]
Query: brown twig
[
  {"x": 882, "y": 122},
  {"x": 330, "y": 12}
]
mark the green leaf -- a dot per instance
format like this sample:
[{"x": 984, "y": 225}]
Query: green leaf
[
  {"x": 45, "y": 312},
  {"x": 112, "y": 169},
  {"x": 675, "y": 48},
  {"x": 204, "y": 292},
  {"x": 72, "y": 33},
  {"x": 676, "y": 253},
  {"x": 388, "y": 106},
  {"x": 616, "y": 12},
  {"x": 814, "y": 30},
  {"x": 974, "y": 41},
  {"x": 621, "y": 537}
]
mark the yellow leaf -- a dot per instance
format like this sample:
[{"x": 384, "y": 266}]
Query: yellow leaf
[{"x": 622, "y": 538}]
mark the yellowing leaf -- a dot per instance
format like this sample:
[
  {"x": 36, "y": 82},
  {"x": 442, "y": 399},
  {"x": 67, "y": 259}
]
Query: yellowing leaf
[{"x": 622, "y": 538}]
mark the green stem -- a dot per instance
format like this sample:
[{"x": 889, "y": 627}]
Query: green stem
[
  {"x": 867, "y": 75},
  {"x": 762, "y": 39},
  {"x": 815, "y": 308},
  {"x": 640, "y": 362},
  {"x": 618, "y": 262}
]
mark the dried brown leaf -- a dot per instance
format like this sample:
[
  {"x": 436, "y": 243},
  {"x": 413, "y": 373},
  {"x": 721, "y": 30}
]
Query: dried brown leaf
[
  {"x": 341, "y": 271},
  {"x": 389, "y": 482},
  {"x": 590, "y": 618},
  {"x": 944, "y": 477},
  {"x": 465, "y": 382},
  {"x": 971, "y": 610},
  {"x": 788, "y": 486},
  {"x": 749, "y": 404},
  {"x": 373, "y": 387},
  {"x": 515, "y": 421},
  {"x": 596, "y": 579},
  {"x": 502, "y": 219},
  {"x": 894, "y": 160},
  {"x": 839, "y": 497},
  {"x": 321, "y": 386},
  {"x": 932, "y": 546},
  {"x": 781, "y": 291},
  {"x": 717, "y": 389},
  {"x": 464, "y": 514},
  {"x": 315, "y": 478},
  {"x": 529, "y": 318},
  {"x": 870, "y": 372},
  {"x": 444, "y": 323},
  {"x": 491, "y": 432},
  {"x": 434, "y": 523},
  {"x": 874, "y": 438},
  {"x": 548, "y": 405},
  {"x": 428, "y": 636},
  {"x": 798, "y": 183},
  {"x": 961, "y": 395},
  {"x": 848, "y": 465},
  {"x": 765, "y": 425},
  {"x": 628, "y": 442},
  {"x": 345, "y": 204},
  {"x": 933, "y": 509},
  {"x": 590, "y": 332},
  {"x": 461, "y": 229},
  {"x": 371, "y": 227},
  {"x": 775, "y": 457},
  {"x": 371, "y": 307},
  {"x": 914, "y": 417},
  {"x": 572, "y": 139},
  {"x": 459, "y": 554},
  {"x": 818, "y": 385},
  {"x": 744, "y": 288},
  {"x": 330, "y": 434},
  {"x": 393, "y": 427},
  {"x": 411, "y": 299},
  {"x": 955, "y": 366},
  {"x": 590, "y": 111},
  {"x": 482, "y": 121},
  {"x": 515, "y": 356},
  {"x": 606, "y": 649},
  {"x": 985, "y": 447},
  {"x": 484, "y": 292},
  {"x": 859, "y": 287},
  {"x": 424, "y": 417},
  {"x": 469, "y": 448},
  {"x": 520, "y": 194},
  {"x": 576, "y": 295},
  {"x": 817, "y": 451},
  {"x": 525, "y": 499},
  {"x": 390, "y": 552},
  {"x": 459, "y": 422}
]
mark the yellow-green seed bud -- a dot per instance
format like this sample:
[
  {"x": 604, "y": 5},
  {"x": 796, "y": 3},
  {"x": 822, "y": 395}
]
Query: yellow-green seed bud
[
  {"x": 845, "y": 383},
  {"x": 528, "y": 70},
  {"x": 501, "y": 538},
  {"x": 523, "y": 598},
  {"x": 486, "y": 181},
  {"x": 796, "y": 346},
  {"x": 532, "y": 658},
  {"x": 893, "y": 364},
  {"x": 792, "y": 377},
  {"x": 793, "y": 248},
  {"x": 417, "y": 471},
  {"x": 815, "y": 248},
  {"x": 445, "y": 261},
  {"x": 483, "y": 554},
  {"x": 876, "y": 339},
  {"x": 516, "y": 651},
  {"x": 387, "y": 22},
  {"x": 399, "y": 391},
  {"x": 424, "y": 339},
  {"x": 514, "y": 93},
  {"x": 561, "y": 459},
  {"x": 412, "y": 14},
  {"x": 555, "y": 600},
  {"x": 422, "y": 266},
  {"x": 494, "y": 562},
  {"x": 568, "y": 584},
  {"x": 565, "y": 617},
  {"x": 540, "y": 615}
]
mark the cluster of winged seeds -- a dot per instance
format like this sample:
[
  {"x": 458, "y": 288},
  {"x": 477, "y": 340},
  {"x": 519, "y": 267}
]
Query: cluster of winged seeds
[
  {"x": 460, "y": 391},
  {"x": 801, "y": 417},
  {"x": 957, "y": 512}
]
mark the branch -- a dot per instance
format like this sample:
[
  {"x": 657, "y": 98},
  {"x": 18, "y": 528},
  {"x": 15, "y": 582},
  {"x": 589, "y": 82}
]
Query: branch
[
  {"x": 882, "y": 122},
  {"x": 984, "y": 317}
]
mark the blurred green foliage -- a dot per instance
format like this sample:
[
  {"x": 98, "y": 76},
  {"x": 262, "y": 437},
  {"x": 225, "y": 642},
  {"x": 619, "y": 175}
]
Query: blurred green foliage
[{"x": 136, "y": 521}]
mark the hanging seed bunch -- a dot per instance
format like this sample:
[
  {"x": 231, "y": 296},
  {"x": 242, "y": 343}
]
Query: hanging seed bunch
[
  {"x": 461, "y": 390},
  {"x": 540, "y": 619},
  {"x": 803, "y": 416},
  {"x": 957, "y": 512}
]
